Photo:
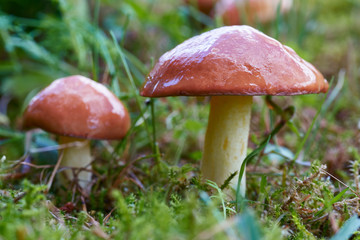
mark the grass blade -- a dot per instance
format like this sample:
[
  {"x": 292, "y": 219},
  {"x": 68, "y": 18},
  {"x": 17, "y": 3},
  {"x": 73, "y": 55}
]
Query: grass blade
[{"x": 348, "y": 229}]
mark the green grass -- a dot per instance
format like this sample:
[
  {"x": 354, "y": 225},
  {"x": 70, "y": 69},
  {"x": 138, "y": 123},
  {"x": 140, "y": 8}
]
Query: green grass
[{"x": 303, "y": 163}]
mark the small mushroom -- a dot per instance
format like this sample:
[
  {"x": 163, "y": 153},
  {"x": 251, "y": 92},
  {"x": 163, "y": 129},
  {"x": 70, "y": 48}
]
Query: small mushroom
[
  {"x": 235, "y": 12},
  {"x": 231, "y": 64},
  {"x": 78, "y": 109}
]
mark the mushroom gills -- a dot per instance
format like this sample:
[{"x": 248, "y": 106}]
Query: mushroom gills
[
  {"x": 76, "y": 157},
  {"x": 226, "y": 139}
]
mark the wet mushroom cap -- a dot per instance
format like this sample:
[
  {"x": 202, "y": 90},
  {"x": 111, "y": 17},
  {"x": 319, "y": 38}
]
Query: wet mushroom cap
[
  {"x": 233, "y": 60},
  {"x": 235, "y": 12},
  {"x": 78, "y": 107}
]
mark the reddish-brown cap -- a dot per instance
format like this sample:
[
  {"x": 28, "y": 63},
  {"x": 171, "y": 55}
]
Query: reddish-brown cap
[
  {"x": 236, "y": 12},
  {"x": 235, "y": 60},
  {"x": 79, "y": 107}
]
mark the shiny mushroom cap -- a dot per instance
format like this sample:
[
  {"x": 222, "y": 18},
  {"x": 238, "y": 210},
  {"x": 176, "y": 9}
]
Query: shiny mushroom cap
[
  {"x": 235, "y": 60},
  {"x": 236, "y": 12},
  {"x": 79, "y": 107}
]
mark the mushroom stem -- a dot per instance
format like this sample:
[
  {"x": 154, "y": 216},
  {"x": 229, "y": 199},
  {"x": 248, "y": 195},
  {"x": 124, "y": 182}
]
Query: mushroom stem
[
  {"x": 226, "y": 138},
  {"x": 76, "y": 157}
]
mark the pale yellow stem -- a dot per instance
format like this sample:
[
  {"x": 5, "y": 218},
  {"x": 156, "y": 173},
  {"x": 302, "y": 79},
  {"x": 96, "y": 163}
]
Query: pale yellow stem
[
  {"x": 226, "y": 139},
  {"x": 78, "y": 157}
]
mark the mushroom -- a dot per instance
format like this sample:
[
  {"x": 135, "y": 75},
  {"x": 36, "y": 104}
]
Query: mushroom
[
  {"x": 236, "y": 12},
  {"x": 231, "y": 64},
  {"x": 78, "y": 109}
]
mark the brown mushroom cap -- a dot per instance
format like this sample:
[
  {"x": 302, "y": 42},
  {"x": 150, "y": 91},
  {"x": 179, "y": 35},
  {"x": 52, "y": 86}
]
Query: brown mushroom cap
[
  {"x": 235, "y": 60},
  {"x": 235, "y": 12},
  {"x": 79, "y": 107}
]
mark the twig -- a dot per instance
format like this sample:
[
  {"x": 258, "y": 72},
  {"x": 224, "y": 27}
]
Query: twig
[
  {"x": 54, "y": 171},
  {"x": 36, "y": 166},
  {"x": 58, "y": 147},
  {"x": 352, "y": 190},
  {"x": 55, "y": 212},
  {"x": 107, "y": 217}
]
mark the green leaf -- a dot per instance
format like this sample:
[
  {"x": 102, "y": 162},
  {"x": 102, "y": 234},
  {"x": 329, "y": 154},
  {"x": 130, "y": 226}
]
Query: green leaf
[
  {"x": 10, "y": 133},
  {"x": 339, "y": 196},
  {"x": 248, "y": 227},
  {"x": 193, "y": 126},
  {"x": 263, "y": 184},
  {"x": 334, "y": 200},
  {"x": 348, "y": 229}
]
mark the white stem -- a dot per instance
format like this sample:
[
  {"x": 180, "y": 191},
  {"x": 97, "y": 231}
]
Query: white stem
[
  {"x": 226, "y": 139},
  {"x": 77, "y": 157}
]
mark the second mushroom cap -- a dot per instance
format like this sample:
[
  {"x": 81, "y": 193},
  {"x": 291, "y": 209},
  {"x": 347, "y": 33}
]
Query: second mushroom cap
[{"x": 78, "y": 107}]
